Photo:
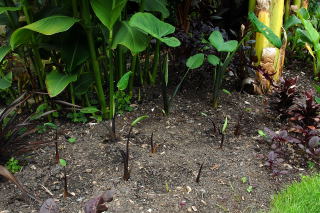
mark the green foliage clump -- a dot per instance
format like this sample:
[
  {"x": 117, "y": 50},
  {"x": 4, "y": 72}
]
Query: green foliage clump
[
  {"x": 13, "y": 165},
  {"x": 299, "y": 197}
]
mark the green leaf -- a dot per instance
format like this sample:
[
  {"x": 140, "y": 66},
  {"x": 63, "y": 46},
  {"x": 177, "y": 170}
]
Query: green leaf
[
  {"x": 11, "y": 9},
  {"x": 63, "y": 162},
  {"x": 130, "y": 37},
  {"x": 47, "y": 26},
  {"x": 225, "y": 125},
  {"x": 150, "y": 24},
  {"x": 6, "y": 81},
  {"x": 226, "y": 91},
  {"x": 51, "y": 125},
  {"x": 139, "y": 119},
  {"x": 244, "y": 179},
  {"x": 171, "y": 41},
  {"x": 317, "y": 87},
  {"x": 56, "y": 82},
  {"x": 72, "y": 140},
  {"x": 266, "y": 31},
  {"x": 195, "y": 61},
  {"x": 82, "y": 85},
  {"x": 89, "y": 110},
  {"x": 214, "y": 60},
  {"x": 217, "y": 41},
  {"x": 123, "y": 82},
  {"x": 166, "y": 69},
  {"x": 303, "y": 13},
  {"x": 292, "y": 21},
  {"x": 157, "y": 6},
  {"x": 108, "y": 11},
  {"x": 317, "y": 100},
  {"x": 261, "y": 133},
  {"x": 4, "y": 50},
  {"x": 249, "y": 189}
]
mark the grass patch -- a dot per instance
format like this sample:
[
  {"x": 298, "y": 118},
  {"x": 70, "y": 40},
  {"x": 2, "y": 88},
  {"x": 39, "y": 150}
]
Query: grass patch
[{"x": 299, "y": 197}]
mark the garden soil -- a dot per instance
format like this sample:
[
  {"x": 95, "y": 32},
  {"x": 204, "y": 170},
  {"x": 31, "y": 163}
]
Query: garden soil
[{"x": 233, "y": 178}]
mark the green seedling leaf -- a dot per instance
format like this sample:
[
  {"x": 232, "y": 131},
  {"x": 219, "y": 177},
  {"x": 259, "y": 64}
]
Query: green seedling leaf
[
  {"x": 89, "y": 110},
  {"x": 4, "y": 50},
  {"x": 63, "y": 162},
  {"x": 266, "y": 31},
  {"x": 226, "y": 91},
  {"x": 51, "y": 125},
  {"x": 123, "y": 82},
  {"x": 158, "y": 29},
  {"x": 217, "y": 41},
  {"x": 11, "y": 9},
  {"x": 6, "y": 81},
  {"x": 225, "y": 125},
  {"x": 47, "y": 26},
  {"x": 317, "y": 100},
  {"x": 108, "y": 11},
  {"x": 195, "y": 61},
  {"x": 244, "y": 179},
  {"x": 56, "y": 82},
  {"x": 139, "y": 119},
  {"x": 130, "y": 37},
  {"x": 72, "y": 140},
  {"x": 214, "y": 60},
  {"x": 249, "y": 189},
  {"x": 261, "y": 133}
]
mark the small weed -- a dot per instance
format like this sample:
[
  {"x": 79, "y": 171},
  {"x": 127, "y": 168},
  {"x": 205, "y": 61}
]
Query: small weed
[
  {"x": 72, "y": 140},
  {"x": 250, "y": 189},
  {"x": 13, "y": 165},
  {"x": 244, "y": 179}
]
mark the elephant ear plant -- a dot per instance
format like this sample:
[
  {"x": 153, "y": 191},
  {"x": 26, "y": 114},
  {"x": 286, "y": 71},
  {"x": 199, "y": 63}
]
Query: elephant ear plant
[{"x": 220, "y": 61}]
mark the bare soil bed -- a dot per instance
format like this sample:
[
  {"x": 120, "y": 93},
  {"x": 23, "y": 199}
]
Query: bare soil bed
[{"x": 163, "y": 181}]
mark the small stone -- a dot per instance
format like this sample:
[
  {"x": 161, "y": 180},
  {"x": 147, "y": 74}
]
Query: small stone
[
  {"x": 88, "y": 170},
  {"x": 33, "y": 167},
  {"x": 204, "y": 202},
  {"x": 194, "y": 208},
  {"x": 149, "y": 210},
  {"x": 94, "y": 182},
  {"x": 188, "y": 189},
  {"x": 189, "y": 209}
]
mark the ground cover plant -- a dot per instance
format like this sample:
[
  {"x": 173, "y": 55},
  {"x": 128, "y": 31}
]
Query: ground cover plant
[{"x": 233, "y": 110}]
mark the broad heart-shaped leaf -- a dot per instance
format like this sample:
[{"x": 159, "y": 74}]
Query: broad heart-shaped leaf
[
  {"x": 124, "y": 80},
  {"x": 6, "y": 81},
  {"x": 214, "y": 60},
  {"x": 108, "y": 11},
  {"x": 83, "y": 83},
  {"x": 157, "y": 6},
  {"x": 217, "y": 41},
  {"x": 266, "y": 31},
  {"x": 47, "y": 26},
  {"x": 151, "y": 25},
  {"x": 195, "y": 61},
  {"x": 130, "y": 37},
  {"x": 12, "y": 9},
  {"x": 171, "y": 41},
  {"x": 4, "y": 50},
  {"x": 56, "y": 82}
]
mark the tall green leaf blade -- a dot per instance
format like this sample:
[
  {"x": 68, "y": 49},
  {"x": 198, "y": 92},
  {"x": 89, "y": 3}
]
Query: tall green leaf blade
[
  {"x": 4, "y": 50},
  {"x": 266, "y": 31},
  {"x": 11, "y": 9},
  {"x": 6, "y": 81},
  {"x": 157, "y": 6},
  {"x": 124, "y": 80},
  {"x": 130, "y": 37},
  {"x": 47, "y": 26},
  {"x": 108, "y": 11},
  {"x": 195, "y": 61},
  {"x": 151, "y": 25},
  {"x": 56, "y": 82}
]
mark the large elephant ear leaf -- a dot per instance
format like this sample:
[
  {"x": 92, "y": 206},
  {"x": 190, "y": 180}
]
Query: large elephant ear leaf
[
  {"x": 157, "y": 6},
  {"x": 56, "y": 82},
  {"x": 108, "y": 11},
  {"x": 265, "y": 30},
  {"x": 47, "y": 26},
  {"x": 130, "y": 37},
  {"x": 158, "y": 29}
]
